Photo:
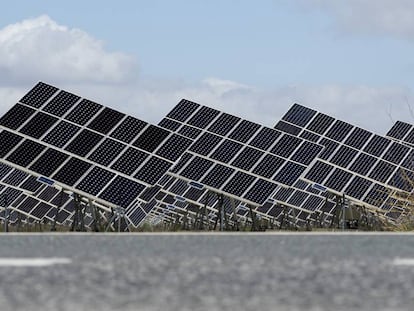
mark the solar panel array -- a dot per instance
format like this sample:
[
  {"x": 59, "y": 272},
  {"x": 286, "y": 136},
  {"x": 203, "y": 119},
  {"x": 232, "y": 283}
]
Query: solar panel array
[
  {"x": 174, "y": 167},
  {"x": 94, "y": 150},
  {"x": 355, "y": 162},
  {"x": 234, "y": 156},
  {"x": 224, "y": 144}
]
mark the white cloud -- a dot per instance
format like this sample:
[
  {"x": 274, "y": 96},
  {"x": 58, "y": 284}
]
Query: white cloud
[
  {"x": 390, "y": 17},
  {"x": 40, "y": 49}
]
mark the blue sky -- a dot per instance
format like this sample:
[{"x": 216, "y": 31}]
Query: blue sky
[{"x": 352, "y": 59}]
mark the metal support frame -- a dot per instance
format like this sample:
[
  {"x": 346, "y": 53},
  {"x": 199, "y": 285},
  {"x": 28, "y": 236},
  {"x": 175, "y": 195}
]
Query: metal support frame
[
  {"x": 253, "y": 217},
  {"x": 6, "y": 212},
  {"x": 78, "y": 223},
  {"x": 96, "y": 223},
  {"x": 118, "y": 214},
  {"x": 57, "y": 210}
]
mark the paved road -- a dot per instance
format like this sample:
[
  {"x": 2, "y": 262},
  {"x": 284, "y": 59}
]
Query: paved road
[{"x": 207, "y": 272}]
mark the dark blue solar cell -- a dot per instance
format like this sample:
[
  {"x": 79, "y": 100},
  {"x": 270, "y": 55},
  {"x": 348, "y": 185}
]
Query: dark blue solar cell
[
  {"x": 265, "y": 138},
  {"x": 343, "y": 156},
  {"x": 260, "y": 191},
  {"x": 410, "y": 137},
  {"x": 376, "y": 145},
  {"x": 330, "y": 147},
  {"x": 239, "y": 183},
  {"x": 25, "y": 153},
  {"x": 318, "y": 172},
  {"x": 129, "y": 161},
  {"x": 320, "y": 123},
  {"x": 49, "y": 162},
  {"x": 283, "y": 194},
  {"x": 247, "y": 158},
  {"x": 299, "y": 115},
  {"x": 95, "y": 180},
  {"x": 170, "y": 124},
  {"x": 8, "y": 142},
  {"x": 309, "y": 136},
  {"x": 358, "y": 138},
  {"x": 106, "y": 120},
  {"x": 196, "y": 168},
  {"x": 38, "y": 125},
  {"x": 382, "y": 171},
  {"x": 205, "y": 143},
  {"x": 224, "y": 124},
  {"x": 107, "y": 151},
  {"x": 84, "y": 142},
  {"x": 363, "y": 164},
  {"x": 122, "y": 191},
  {"x": 286, "y": 145},
  {"x": 61, "y": 134},
  {"x": 244, "y": 131},
  {"x": 338, "y": 179},
  {"x": 61, "y": 103},
  {"x": 70, "y": 173},
  {"x": 217, "y": 176},
  {"x": 409, "y": 161},
  {"x": 38, "y": 95},
  {"x": 183, "y": 110},
  {"x": 152, "y": 171},
  {"x": 83, "y": 112},
  {"x": 128, "y": 129},
  {"x": 189, "y": 131},
  {"x": 339, "y": 131},
  {"x": 399, "y": 130},
  {"x": 396, "y": 152},
  {"x": 298, "y": 198},
  {"x": 174, "y": 147},
  {"x": 203, "y": 117},
  {"x": 306, "y": 153},
  {"x": 226, "y": 151},
  {"x": 289, "y": 173},
  {"x": 16, "y": 116},
  {"x": 287, "y": 128},
  {"x": 151, "y": 138},
  {"x": 268, "y": 166}
]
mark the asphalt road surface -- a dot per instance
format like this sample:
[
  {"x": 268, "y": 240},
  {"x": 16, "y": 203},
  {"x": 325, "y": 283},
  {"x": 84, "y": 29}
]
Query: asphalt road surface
[{"x": 206, "y": 272}]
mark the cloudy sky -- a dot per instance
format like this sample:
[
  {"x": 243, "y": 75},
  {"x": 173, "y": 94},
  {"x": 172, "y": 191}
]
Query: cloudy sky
[{"x": 352, "y": 59}]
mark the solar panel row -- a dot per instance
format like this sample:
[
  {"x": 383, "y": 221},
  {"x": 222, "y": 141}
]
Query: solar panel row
[{"x": 164, "y": 171}]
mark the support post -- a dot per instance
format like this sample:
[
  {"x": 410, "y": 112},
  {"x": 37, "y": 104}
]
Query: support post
[
  {"x": 78, "y": 223},
  {"x": 253, "y": 217},
  {"x": 6, "y": 213},
  {"x": 343, "y": 213},
  {"x": 235, "y": 222},
  {"x": 221, "y": 210},
  {"x": 57, "y": 209},
  {"x": 95, "y": 216}
]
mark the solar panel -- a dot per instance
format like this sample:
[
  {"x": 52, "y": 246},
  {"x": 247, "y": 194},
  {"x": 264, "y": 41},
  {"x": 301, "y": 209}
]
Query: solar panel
[
  {"x": 118, "y": 160},
  {"x": 234, "y": 160},
  {"x": 399, "y": 130},
  {"x": 26, "y": 195},
  {"x": 96, "y": 151},
  {"x": 354, "y": 161}
]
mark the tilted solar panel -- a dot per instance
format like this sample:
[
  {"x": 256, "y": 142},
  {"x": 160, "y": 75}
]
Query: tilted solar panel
[
  {"x": 232, "y": 155},
  {"x": 356, "y": 162},
  {"x": 97, "y": 151}
]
